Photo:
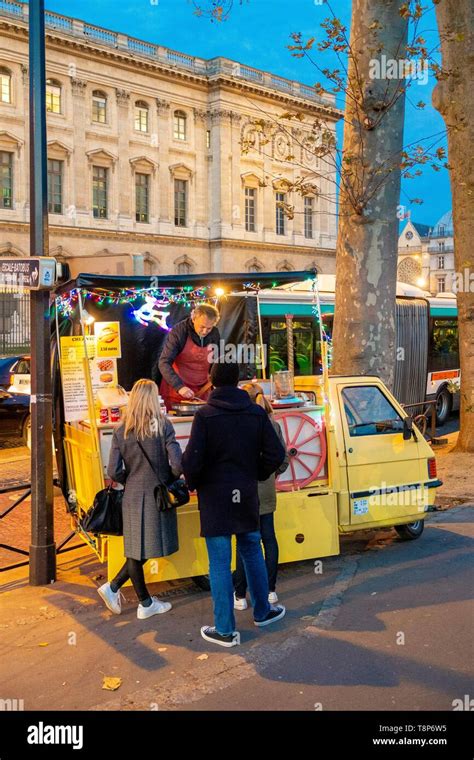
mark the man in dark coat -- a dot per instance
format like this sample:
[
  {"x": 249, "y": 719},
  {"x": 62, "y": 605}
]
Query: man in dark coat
[{"x": 232, "y": 446}]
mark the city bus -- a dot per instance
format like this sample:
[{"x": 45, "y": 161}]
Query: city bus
[{"x": 427, "y": 338}]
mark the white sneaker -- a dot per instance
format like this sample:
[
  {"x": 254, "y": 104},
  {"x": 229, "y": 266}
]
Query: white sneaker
[
  {"x": 156, "y": 608},
  {"x": 272, "y": 597},
  {"x": 240, "y": 604},
  {"x": 111, "y": 598}
]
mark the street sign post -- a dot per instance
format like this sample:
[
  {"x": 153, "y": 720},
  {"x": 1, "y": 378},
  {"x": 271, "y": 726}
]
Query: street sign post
[
  {"x": 29, "y": 274},
  {"x": 42, "y": 547}
]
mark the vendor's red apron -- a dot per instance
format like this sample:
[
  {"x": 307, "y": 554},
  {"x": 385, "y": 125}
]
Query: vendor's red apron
[{"x": 192, "y": 366}]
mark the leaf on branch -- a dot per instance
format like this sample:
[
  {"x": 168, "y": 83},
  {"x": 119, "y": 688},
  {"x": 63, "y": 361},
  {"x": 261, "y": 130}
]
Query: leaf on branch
[{"x": 405, "y": 10}]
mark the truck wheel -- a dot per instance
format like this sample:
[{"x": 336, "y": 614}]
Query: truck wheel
[
  {"x": 444, "y": 403},
  {"x": 410, "y": 531},
  {"x": 202, "y": 582}
]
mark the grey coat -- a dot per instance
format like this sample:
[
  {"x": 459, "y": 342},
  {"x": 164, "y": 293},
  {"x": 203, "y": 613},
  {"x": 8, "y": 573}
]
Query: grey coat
[
  {"x": 147, "y": 533},
  {"x": 266, "y": 488}
]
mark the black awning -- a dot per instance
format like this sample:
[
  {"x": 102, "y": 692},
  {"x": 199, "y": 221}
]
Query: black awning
[{"x": 233, "y": 281}]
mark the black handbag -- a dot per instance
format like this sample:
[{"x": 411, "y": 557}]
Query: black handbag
[
  {"x": 105, "y": 515},
  {"x": 167, "y": 496}
]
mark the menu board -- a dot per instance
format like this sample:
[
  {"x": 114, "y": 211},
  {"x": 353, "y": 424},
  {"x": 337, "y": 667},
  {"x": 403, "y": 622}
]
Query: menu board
[
  {"x": 103, "y": 373},
  {"x": 72, "y": 375}
]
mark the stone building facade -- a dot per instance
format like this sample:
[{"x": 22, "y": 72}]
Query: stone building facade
[
  {"x": 426, "y": 255},
  {"x": 146, "y": 172}
]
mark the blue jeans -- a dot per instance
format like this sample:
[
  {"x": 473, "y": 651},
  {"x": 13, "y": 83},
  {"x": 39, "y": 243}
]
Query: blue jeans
[
  {"x": 270, "y": 548},
  {"x": 219, "y": 549}
]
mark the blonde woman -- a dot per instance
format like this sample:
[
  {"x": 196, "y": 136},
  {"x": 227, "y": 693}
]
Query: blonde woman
[
  {"x": 267, "y": 500},
  {"x": 147, "y": 532}
]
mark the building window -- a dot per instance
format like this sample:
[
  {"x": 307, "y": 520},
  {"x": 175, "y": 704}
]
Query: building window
[
  {"x": 441, "y": 245},
  {"x": 141, "y": 116},
  {"x": 55, "y": 186},
  {"x": 184, "y": 268},
  {"x": 440, "y": 262},
  {"x": 250, "y": 201},
  {"x": 279, "y": 213},
  {"x": 180, "y": 202},
  {"x": 53, "y": 96},
  {"x": 441, "y": 284},
  {"x": 99, "y": 107},
  {"x": 179, "y": 128},
  {"x": 142, "y": 196},
  {"x": 208, "y": 138},
  {"x": 5, "y": 86},
  {"x": 99, "y": 192},
  {"x": 308, "y": 217},
  {"x": 441, "y": 230},
  {"x": 6, "y": 179},
  {"x": 254, "y": 268}
]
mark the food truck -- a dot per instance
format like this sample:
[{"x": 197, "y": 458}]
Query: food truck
[{"x": 356, "y": 461}]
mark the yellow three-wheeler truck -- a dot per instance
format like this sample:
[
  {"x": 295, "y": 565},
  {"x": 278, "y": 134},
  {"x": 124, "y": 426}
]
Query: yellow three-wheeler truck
[{"x": 356, "y": 462}]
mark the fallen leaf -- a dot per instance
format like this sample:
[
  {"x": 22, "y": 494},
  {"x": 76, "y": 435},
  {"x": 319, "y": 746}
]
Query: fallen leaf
[
  {"x": 307, "y": 617},
  {"x": 110, "y": 683},
  {"x": 162, "y": 649},
  {"x": 43, "y": 644},
  {"x": 203, "y": 657}
]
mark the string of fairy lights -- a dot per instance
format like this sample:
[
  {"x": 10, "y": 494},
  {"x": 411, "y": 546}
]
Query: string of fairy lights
[{"x": 156, "y": 300}]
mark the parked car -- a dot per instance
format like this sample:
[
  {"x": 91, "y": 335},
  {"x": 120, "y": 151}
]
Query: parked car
[
  {"x": 15, "y": 420},
  {"x": 6, "y": 364},
  {"x": 20, "y": 376}
]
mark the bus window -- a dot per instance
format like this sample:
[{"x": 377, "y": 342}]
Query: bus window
[
  {"x": 443, "y": 346},
  {"x": 306, "y": 344}
]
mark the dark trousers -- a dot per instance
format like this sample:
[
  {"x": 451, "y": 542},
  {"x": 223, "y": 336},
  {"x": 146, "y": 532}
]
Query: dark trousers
[
  {"x": 270, "y": 548},
  {"x": 133, "y": 569}
]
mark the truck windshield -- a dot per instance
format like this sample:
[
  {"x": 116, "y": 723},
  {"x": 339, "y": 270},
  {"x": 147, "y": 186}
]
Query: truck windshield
[{"x": 369, "y": 412}]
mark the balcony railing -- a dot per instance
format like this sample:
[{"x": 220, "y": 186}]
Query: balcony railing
[
  {"x": 213, "y": 67},
  {"x": 449, "y": 248}
]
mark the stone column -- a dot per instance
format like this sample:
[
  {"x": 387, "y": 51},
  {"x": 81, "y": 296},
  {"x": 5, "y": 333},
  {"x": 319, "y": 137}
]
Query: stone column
[
  {"x": 201, "y": 180},
  {"x": 23, "y": 154},
  {"x": 80, "y": 204},
  {"x": 220, "y": 190},
  {"x": 237, "y": 219},
  {"x": 165, "y": 212},
  {"x": 123, "y": 186}
]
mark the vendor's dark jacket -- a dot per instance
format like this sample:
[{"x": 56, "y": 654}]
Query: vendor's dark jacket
[
  {"x": 174, "y": 344},
  {"x": 232, "y": 446}
]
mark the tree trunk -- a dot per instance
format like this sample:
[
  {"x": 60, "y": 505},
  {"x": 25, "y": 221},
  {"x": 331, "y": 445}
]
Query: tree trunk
[
  {"x": 453, "y": 96},
  {"x": 366, "y": 253}
]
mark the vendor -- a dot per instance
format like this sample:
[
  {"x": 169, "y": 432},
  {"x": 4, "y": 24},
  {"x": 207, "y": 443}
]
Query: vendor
[{"x": 184, "y": 363}]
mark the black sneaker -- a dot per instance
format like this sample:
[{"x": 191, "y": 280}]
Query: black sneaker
[
  {"x": 276, "y": 613},
  {"x": 210, "y": 634}
]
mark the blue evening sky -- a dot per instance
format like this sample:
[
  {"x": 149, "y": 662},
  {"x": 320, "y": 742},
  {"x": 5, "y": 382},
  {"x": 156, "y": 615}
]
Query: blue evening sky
[{"x": 257, "y": 33}]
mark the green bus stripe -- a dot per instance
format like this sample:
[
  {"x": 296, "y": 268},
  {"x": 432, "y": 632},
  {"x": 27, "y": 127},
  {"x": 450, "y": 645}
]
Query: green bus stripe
[{"x": 298, "y": 309}]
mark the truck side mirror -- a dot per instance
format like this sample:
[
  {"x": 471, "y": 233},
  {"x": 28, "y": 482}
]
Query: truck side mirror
[{"x": 407, "y": 428}]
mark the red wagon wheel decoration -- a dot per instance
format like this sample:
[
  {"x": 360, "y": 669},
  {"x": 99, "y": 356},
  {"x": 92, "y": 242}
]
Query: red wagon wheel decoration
[{"x": 302, "y": 446}]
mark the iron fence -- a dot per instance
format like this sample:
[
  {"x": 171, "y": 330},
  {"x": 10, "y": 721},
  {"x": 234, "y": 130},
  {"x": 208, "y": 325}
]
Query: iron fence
[{"x": 14, "y": 322}]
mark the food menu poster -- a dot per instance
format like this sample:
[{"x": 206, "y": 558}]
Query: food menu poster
[
  {"x": 107, "y": 335},
  {"x": 103, "y": 374},
  {"x": 72, "y": 375}
]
